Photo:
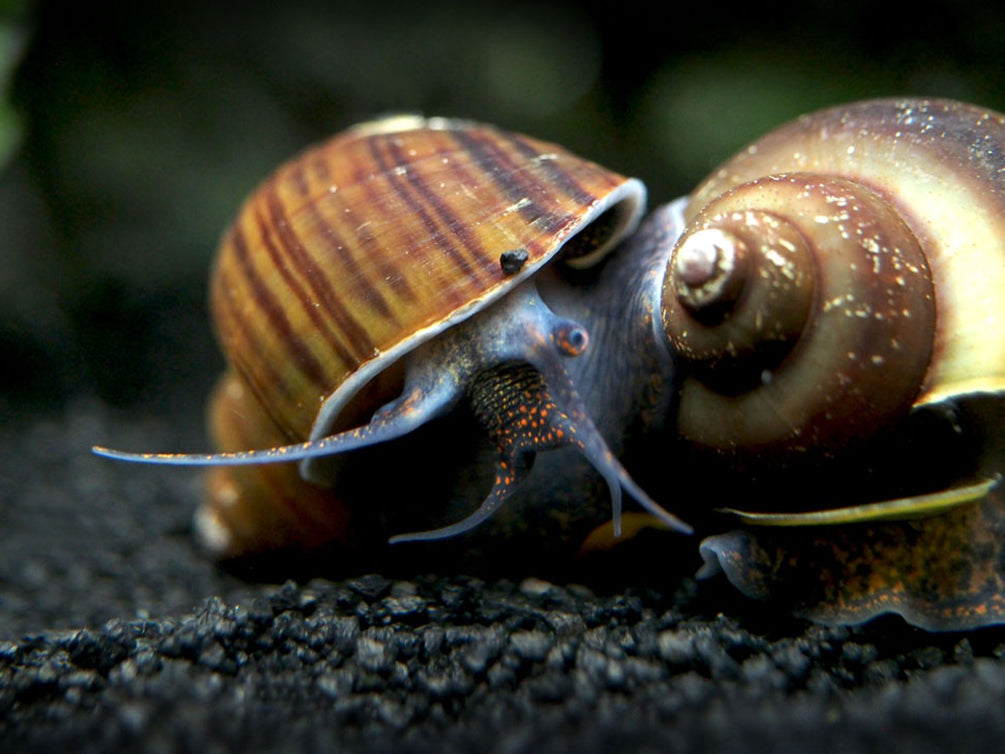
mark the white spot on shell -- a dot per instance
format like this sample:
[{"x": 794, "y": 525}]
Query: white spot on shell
[
  {"x": 214, "y": 534},
  {"x": 519, "y": 205},
  {"x": 235, "y": 390},
  {"x": 227, "y": 494}
]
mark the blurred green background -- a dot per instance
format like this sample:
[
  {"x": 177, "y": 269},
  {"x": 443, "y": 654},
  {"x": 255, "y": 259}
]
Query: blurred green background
[{"x": 129, "y": 134}]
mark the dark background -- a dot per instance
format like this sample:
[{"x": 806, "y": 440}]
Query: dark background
[{"x": 129, "y": 135}]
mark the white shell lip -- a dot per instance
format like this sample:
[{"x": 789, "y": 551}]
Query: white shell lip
[
  {"x": 402, "y": 122},
  {"x": 631, "y": 194},
  {"x": 392, "y": 124}
]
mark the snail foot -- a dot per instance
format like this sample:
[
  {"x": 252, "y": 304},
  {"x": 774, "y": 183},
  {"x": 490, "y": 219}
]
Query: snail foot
[{"x": 941, "y": 572}]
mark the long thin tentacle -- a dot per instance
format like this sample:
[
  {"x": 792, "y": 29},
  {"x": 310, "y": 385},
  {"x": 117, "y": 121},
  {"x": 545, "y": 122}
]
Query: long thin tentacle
[
  {"x": 587, "y": 439},
  {"x": 416, "y": 406},
  {"x": 509, "y": 473}
]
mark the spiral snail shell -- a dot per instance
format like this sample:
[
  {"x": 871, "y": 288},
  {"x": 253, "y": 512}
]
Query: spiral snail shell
[
  {"x": 851, "y": 236},
  {"x": 836, "y": 301}
]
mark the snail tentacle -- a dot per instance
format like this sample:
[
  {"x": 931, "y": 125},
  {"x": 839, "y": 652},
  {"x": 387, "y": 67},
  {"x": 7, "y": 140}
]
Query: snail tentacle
[
  {"x": 507, "y": 361},
  {"x": 396, "y": 419},
  {"x": 527, "y": 402},
  {"x": 583, "y": 435}
]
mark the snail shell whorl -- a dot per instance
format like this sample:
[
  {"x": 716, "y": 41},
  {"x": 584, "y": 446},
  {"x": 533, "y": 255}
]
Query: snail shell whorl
[
  {"x": 817, "y": 326},
  {"x": 941, "y": 164},
  {"x": 746, "y": 282},
  {"x": 901, "y": 204}
]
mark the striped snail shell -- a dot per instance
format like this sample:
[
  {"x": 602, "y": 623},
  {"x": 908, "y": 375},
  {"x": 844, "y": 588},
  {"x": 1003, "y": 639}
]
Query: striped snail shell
[{"x": 373, "y": 283}]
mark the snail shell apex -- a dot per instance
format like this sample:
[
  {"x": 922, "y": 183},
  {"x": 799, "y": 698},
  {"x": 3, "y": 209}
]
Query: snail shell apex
[
  {"x": 361, "y": 248},
  {"x": 941, "y": 164}
]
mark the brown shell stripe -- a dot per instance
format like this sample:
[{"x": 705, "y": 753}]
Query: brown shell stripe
[
  {"x": 322, "y": 228},
  {"x": 284, "y": 252},
  {"x": 562, "y": 179},
  {"x": 522, "y": 169},
  {"x": 418, "y": 203},
  {"x": 447, "y": 217},
  {"x": 295, "y": 263},
  {"x": 511, "y": 178},
  {"x": 482, "y": 272},
  {"x": 325, "y": 227},
  {"x": 384, "y": 192},
  {"x": 542, "y": 180},
  {"x": 324, "y": 254},
  {"x": 290, "y": 366},
  {"x": 334, "y": 240},
  {"x": 236, "y": 282}
]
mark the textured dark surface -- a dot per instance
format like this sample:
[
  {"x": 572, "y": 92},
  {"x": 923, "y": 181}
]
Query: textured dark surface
[{"x": 116, "y": 633}]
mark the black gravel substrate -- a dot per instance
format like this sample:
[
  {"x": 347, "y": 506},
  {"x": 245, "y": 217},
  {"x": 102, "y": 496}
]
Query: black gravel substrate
[{"x": 117, "y": 634}]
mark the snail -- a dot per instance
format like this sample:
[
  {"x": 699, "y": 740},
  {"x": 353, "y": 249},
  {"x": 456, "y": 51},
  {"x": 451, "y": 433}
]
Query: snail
[
  {"x": 375, "y": 282},
  {"x": 804, "y": 357},
  {"x": 836, "y": 301}
]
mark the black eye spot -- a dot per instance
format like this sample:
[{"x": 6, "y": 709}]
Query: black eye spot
[{"x": 512, "y": 261}]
